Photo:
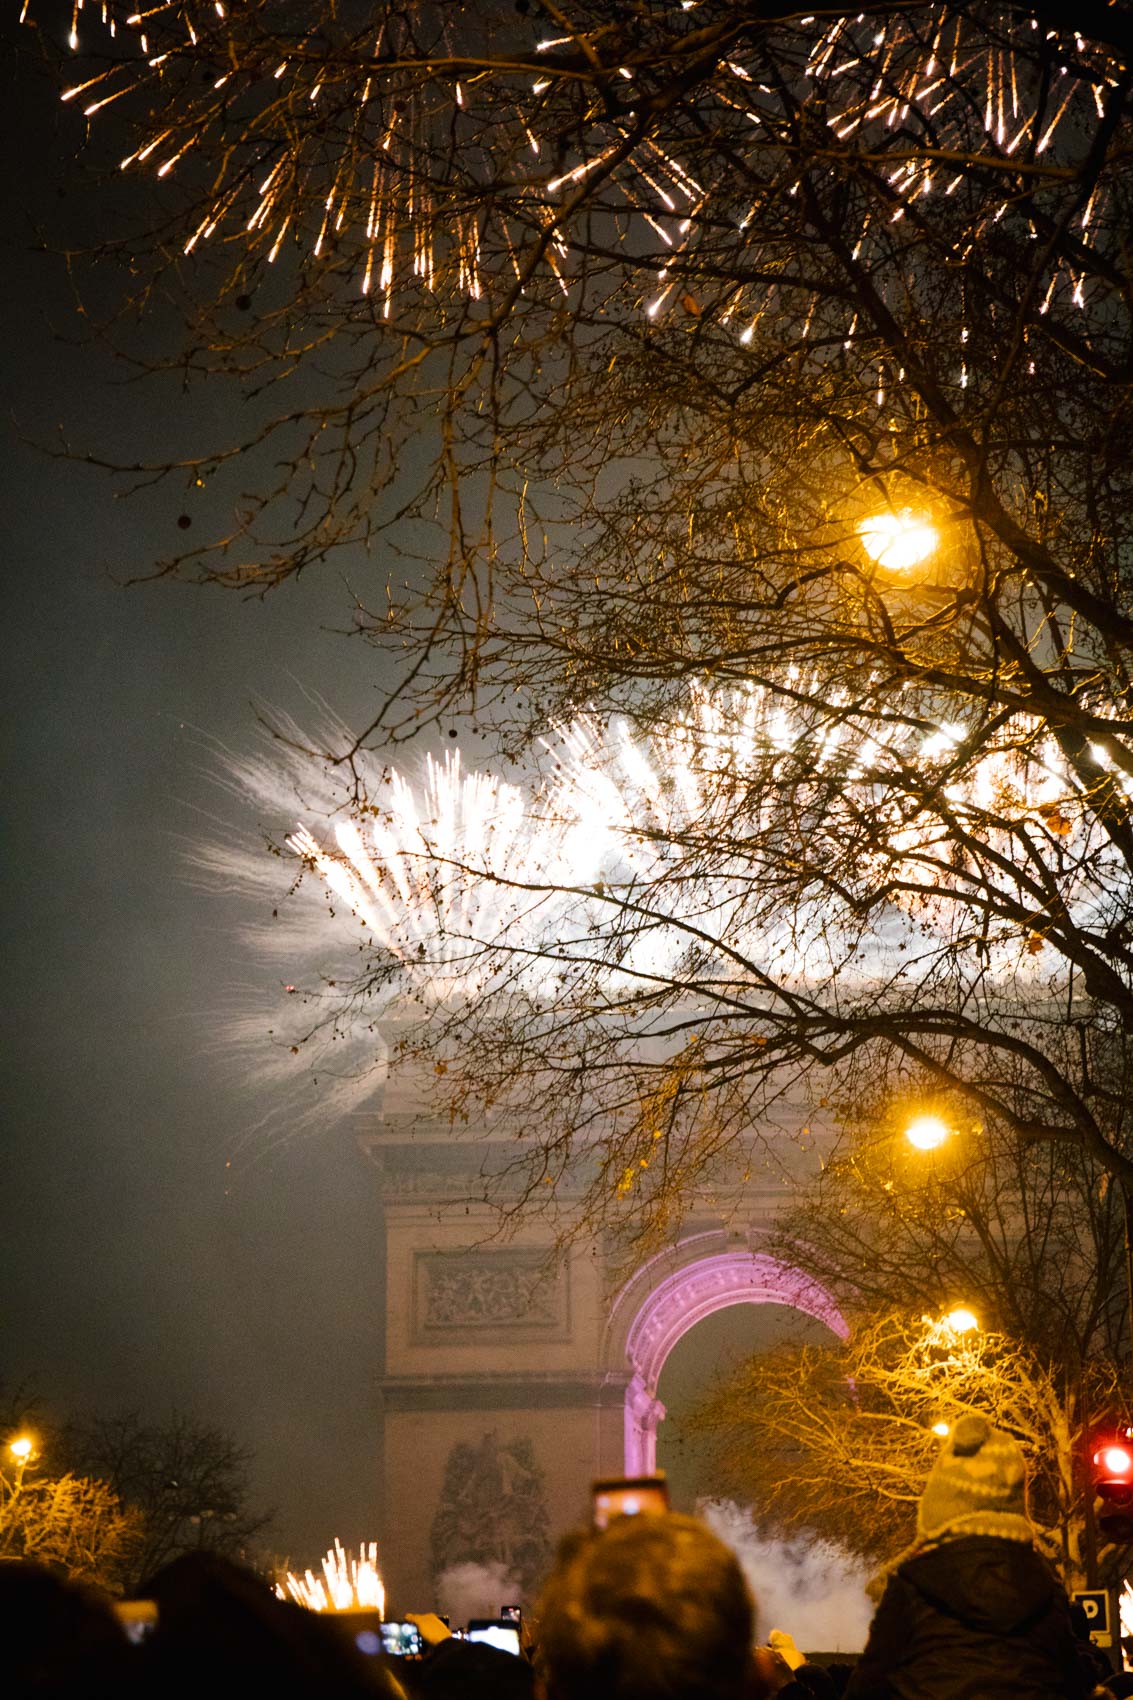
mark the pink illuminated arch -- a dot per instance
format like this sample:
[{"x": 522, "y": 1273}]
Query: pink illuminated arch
[{"x": 683, "y": 1299}]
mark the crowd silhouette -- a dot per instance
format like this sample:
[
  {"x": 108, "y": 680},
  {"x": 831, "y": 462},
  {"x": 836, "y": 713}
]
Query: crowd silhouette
[{"x": 652, "y": 1607}]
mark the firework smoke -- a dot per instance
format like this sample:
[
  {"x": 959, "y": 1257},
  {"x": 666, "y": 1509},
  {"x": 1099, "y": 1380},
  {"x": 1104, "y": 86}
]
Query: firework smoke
[
  {"x": 812, "y": 1589},
  {"x": 465, "y": 1591}
]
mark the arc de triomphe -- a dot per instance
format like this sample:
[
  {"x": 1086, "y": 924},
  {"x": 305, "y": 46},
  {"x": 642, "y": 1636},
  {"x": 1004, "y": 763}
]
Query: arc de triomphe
[{"x": 512, "y": 1377}]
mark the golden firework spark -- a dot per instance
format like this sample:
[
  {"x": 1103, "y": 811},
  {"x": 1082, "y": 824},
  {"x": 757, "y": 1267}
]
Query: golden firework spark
[
  {"x": 346, "y": 1581},
  {"x": 333, "y": 150}
]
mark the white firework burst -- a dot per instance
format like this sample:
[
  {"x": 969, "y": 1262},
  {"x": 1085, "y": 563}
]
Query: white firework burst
[
  {"x": 632, "y": 863},
  {"x": 442, "y": 872}
]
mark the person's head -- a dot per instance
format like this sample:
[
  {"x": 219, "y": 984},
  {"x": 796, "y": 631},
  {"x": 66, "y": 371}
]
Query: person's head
[
  {"x": 58, "y": 1638},
  {"x": 810, "y": 1682},
  {"x": 468, "y": 1670},
  {"x": 652, "y": 1608},
  {"x": 976, "y": 1487},
  {"x": 221, "y": 1629}
]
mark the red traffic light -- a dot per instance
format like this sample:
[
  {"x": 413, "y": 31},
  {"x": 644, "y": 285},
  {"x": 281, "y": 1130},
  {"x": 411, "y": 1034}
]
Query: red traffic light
[
  {"x": 1113, "y": 1485},
  {"x": 1116, "y": 1461}
]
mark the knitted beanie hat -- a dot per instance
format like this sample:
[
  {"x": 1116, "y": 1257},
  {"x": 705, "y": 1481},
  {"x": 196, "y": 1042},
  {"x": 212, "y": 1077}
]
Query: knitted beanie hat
[{"x": 976, "y": 1486}]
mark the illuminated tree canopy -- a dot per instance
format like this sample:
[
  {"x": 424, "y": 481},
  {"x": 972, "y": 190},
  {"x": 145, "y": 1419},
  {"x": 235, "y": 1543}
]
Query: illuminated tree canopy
[
  {"x": 875, "y": 1444},
  {"x": 620, "y": 344},
  {"x": 1027, "y": 1241},
  {"x": 75, "y": 1524}
]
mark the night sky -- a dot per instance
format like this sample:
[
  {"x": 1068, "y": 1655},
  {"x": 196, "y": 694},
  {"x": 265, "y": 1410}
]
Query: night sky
[
  {"x": 138, "y": 1270},
  {"x": 151, "y": 1257}
]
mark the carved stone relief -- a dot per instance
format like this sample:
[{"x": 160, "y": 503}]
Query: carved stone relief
[
  {"x": 493, "y": 1510},
  {"x": 510, "y": 1294}
]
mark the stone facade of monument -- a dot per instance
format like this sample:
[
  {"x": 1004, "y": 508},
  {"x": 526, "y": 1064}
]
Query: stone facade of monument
[{"x": 513, "y": 1373}]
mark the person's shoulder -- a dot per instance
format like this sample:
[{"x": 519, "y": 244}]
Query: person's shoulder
[
  {"x": 979, "y": 1553},
  {"x": 989, "y": 1584}
]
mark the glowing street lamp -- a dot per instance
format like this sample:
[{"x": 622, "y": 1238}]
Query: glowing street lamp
[
  {"x": 926, "y": 1133},
  {"x": 898, "y": 541},
  {"x": 22, "y": 1449},
  {"x": 961, "y": 1321},
  {"x": 942, "y": 1429}
]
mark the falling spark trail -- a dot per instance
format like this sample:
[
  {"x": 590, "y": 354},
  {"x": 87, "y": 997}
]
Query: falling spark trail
[{"x": 965, "y": 83}]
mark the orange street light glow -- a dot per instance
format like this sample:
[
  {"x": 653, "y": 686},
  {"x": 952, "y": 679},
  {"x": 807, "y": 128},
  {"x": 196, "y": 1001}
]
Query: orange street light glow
[
  {"x": 897, "y": 541},
  {"x": 21, "y": 1449},
  {"x": 961, "y": 1321},
  {"x": 927, "y": 1132},
  {"x": 941, "y": 1429}
]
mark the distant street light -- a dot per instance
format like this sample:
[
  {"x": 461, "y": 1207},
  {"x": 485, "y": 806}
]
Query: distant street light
[
  {"x": 942, "y": 1429},
  {"x": 22, "y": 1449},
  {"x": 927, "y": 1132},
  {"x": 898, "y": 541},
  {"x": 961, "y": 1321}
]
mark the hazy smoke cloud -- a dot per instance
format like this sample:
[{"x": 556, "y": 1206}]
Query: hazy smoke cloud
[
  {"x": 475, "y": 1590},
  {"x": 812, "y": 1589}
]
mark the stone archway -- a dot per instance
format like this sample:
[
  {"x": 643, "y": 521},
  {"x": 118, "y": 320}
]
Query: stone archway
[
  {"x": 506, "y": 1351},
  {"x": 707, "y": 1283}
]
